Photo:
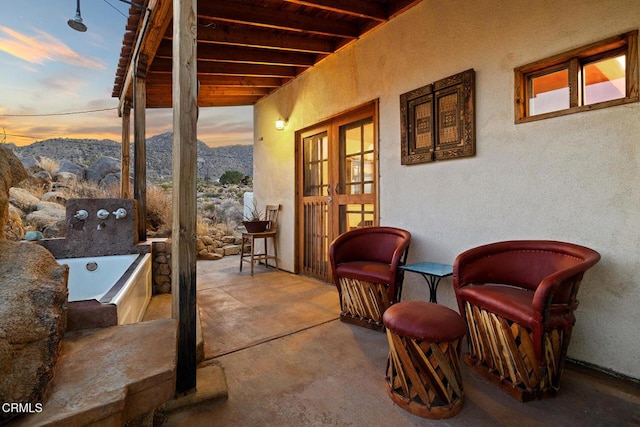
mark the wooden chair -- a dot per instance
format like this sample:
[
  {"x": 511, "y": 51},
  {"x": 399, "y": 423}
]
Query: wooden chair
[
  {"x": 364, "y": 264},
  {"x": 518, "y": 299},
  {"x": 249, "y": 241}
]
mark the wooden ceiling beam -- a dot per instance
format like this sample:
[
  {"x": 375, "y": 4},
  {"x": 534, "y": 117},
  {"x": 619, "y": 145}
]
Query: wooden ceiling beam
[
  {"x": 219, "y": 33},
  {"x": 271, "y": 18},
  {"x": 245, "y": 55},
  {"x": 214, "y": 91},
  {"x": 396, "y": 7},
  {"x": 222, "y": 101},
  {"x": 246, "y": 48},
  {"x": 359, "y": 8},
  {"x": 162, "y": 65},
  {"x": 221, "y": 81}
]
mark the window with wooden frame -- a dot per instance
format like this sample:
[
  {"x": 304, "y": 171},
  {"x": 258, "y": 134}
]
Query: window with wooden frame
[{"x": 599, "y": 75}]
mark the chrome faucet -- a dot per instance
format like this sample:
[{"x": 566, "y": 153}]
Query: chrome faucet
[
  {"x": 102, "y": 214},
  {"x": 81, "y": 215},
  {"x": 120, "y": 213}
]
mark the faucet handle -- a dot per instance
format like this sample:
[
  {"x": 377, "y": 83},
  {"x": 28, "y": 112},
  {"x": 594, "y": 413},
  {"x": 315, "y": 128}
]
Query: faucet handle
[
  {"x": 81, "y": 215},
  {"x": 102, "y": 214},
  {"x": 120, "y": 213}
]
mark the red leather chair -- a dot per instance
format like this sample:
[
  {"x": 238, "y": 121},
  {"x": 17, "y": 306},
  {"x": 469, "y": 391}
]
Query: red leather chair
[
  {"x": 518, "y": 299},
  {"x": 364, "y": 265}
]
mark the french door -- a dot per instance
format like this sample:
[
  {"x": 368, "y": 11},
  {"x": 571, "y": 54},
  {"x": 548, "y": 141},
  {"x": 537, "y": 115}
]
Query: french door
[{"x": 336, "y": 184}]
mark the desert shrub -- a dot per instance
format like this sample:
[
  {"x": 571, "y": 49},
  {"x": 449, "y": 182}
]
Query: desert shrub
[
  {"x": 159, "y": 209},
  {"x": 210, "y": 211},
  {"x": 230, "y": 212},
  {"x": 90, "y": 190},
  {"x": 202, "y": 228},
  {"x": 49, "y": 165},
  {"x": 231, "y": 177}
]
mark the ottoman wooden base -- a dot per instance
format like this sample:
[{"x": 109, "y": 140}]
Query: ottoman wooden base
[
  {"x": 423, "y": 371},
  {"x": 512, "y": 365},
  {"x": 424, "y": 378}
]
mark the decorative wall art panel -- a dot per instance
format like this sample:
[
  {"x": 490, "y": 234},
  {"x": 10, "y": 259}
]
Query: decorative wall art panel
[{"x": 438, "y": 120}]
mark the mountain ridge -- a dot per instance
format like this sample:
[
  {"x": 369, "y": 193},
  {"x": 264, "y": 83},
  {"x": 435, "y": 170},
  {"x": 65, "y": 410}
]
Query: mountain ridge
[{"x": 212, "y": 161}]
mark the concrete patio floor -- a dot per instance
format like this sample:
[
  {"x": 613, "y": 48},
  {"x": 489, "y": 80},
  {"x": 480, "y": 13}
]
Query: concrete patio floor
[{"x": 289, "y": 361}]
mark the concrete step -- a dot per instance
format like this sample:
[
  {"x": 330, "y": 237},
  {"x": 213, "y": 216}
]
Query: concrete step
[{"x": 111, "y": 375}]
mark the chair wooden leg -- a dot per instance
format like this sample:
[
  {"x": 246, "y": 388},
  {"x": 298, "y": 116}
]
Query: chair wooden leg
[
  {"x": 244, "y": 241},
  {"x": 275, "y": 250},
  {"x": 253, "y": 247}
]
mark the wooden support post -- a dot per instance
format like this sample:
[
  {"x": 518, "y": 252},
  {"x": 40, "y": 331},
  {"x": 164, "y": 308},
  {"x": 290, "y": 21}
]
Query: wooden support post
[
  {"x": 125, "y": 187},
  {"x": 139, "y": 148},
  {"x": 183, "y": 249}
]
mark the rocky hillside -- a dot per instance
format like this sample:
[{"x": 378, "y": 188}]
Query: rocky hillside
[{"x": 212, "y": 162}]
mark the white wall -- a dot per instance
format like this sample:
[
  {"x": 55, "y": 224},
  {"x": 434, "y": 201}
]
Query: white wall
[{"x": 574, "y": 178}]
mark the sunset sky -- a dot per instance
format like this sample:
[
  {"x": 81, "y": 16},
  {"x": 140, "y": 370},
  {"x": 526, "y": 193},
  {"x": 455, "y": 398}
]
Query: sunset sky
[{"x": 47, "y": 70}]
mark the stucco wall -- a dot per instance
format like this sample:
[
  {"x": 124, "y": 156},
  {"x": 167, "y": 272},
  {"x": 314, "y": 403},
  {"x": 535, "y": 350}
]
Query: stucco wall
[{"x": 574, "y": 178}]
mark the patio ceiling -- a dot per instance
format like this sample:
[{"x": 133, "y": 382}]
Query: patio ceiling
[{"x": 246, "y": 48}]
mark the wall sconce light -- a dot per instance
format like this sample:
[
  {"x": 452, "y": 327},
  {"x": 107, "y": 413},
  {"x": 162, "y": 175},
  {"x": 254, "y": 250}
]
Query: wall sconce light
[{"x": 280, "y": 124}]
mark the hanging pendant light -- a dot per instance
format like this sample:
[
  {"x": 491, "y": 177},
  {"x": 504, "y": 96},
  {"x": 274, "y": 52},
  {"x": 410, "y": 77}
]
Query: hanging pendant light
[{"x": 76, "y": 22}]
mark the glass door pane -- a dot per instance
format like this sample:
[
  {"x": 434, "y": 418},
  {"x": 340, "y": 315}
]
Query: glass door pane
[
  {"x": 316, "y": 157},
  {"x": 315, "y": 205},
  {"x": 356, "y": 185}
]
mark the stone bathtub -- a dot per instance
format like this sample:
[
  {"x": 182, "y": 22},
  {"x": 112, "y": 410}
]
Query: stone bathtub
[{"x": 107, "y": 290}]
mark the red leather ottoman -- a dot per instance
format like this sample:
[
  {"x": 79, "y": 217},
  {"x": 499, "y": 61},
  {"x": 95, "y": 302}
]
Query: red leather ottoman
[{"x": 423, "y": 370}]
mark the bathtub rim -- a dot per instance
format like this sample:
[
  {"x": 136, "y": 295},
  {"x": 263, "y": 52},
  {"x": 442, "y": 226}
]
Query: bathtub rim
[{"x": 110, "y": 295}]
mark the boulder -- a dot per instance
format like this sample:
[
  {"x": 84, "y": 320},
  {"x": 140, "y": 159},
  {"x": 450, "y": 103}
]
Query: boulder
[
  {"x": 47, "y": 214},
  {"x": 58, "y": 197},
  {"x": 23, "y": 199},
  {"x": 210, "y": 256},
  {"x": 56, "y": 229},
  {"x": 12, "y": 172},
  {"x": 102, "y": 167},
  {"x": 110, "y": 180},
  {"x": 31, "y": 164},
  {"x": 37, "y": 184},
  {"x": 42, "y": 175},
  {"x": 67, "y": 166},
  {"x": 67, "y": 179},
  {"x": 33, "y": 309},
  {"x": 231, "y": 250}
]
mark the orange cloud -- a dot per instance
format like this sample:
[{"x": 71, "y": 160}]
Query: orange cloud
[{"x": 43, "y": 47}]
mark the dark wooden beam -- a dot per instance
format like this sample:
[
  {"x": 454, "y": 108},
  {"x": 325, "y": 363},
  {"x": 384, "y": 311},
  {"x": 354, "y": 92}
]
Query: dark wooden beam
[
  {"x": 140, "y": 145},
  {"x": 183, "y": 249},
  {"x": 220, "y": 33},
  {"x": 245, "y": 55},
  {"x": 221, "y": 81},
  {"x": 205, "y": 67},
  {"x": 273, "y": 18},
  {"x": 125, "y": 161},
  {"x": 359, "y": 8},
  {"x": 224, "y": 101}
]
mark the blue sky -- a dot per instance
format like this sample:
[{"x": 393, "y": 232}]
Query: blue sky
[{"x": 48, "y": 68}]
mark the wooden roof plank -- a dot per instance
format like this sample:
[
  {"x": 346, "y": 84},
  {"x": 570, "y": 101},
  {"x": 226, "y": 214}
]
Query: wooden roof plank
[
  {"x": 359, "y": 8},
  {"x": 263, "y": 38},
  {"x": 273, "y": 18},
  {"x": 164, "y": 65},
  {"x": 243, "y": 54}
]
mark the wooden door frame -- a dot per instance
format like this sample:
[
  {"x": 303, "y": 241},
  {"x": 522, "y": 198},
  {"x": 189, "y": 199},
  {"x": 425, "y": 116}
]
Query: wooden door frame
[{"x": 368, "y": 109}]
